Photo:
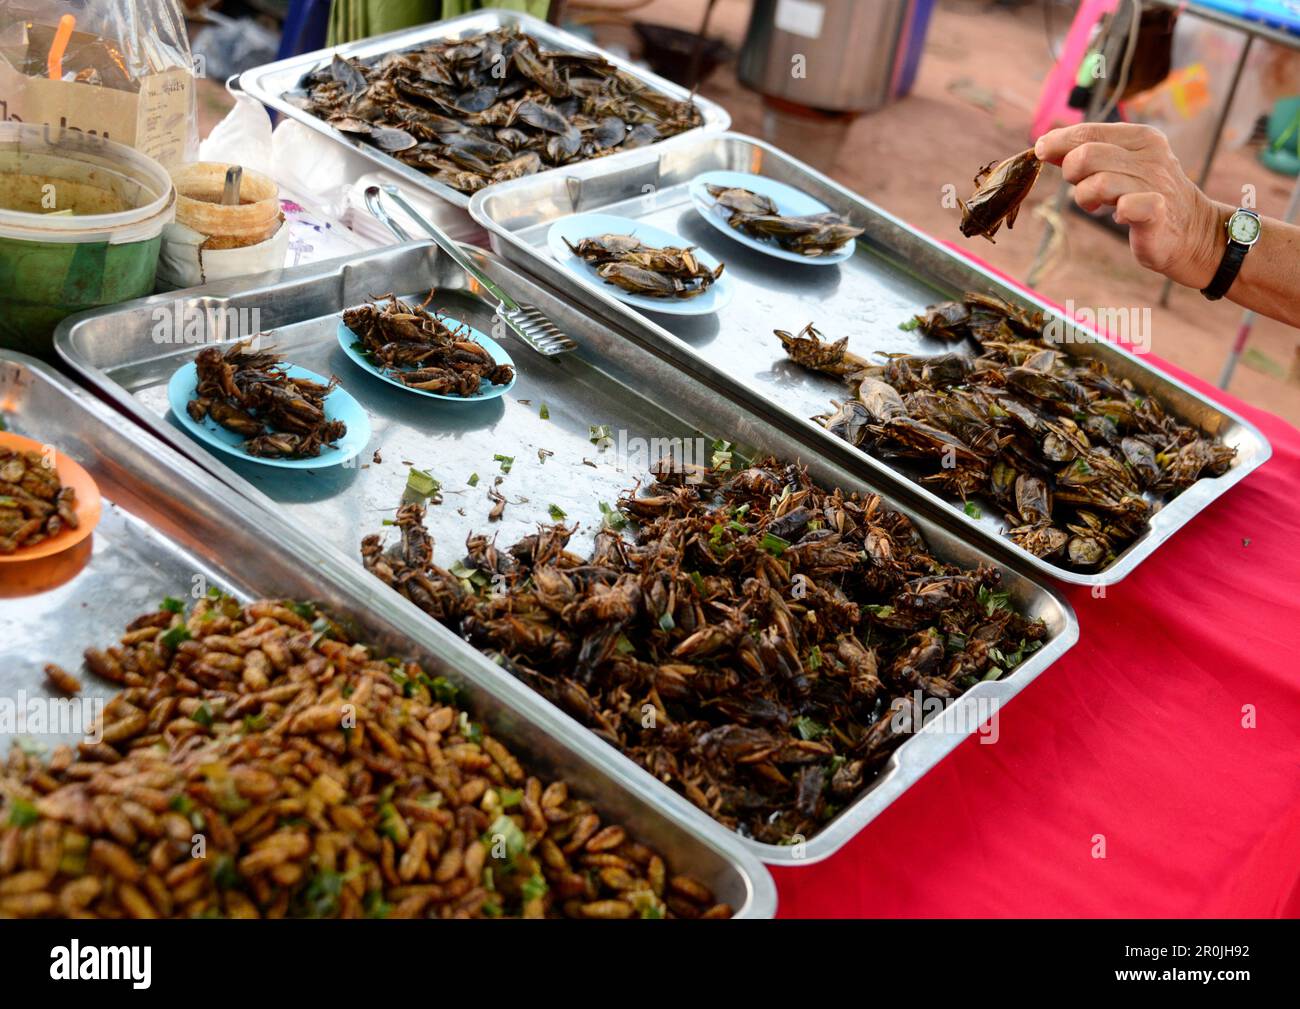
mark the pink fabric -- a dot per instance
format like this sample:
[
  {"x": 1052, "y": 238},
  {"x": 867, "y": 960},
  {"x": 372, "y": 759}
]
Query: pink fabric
[{"x": 1135, "y": 735}]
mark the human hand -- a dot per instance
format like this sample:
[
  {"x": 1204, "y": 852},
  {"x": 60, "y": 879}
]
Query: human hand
[{"x": 1174, "y": 228}]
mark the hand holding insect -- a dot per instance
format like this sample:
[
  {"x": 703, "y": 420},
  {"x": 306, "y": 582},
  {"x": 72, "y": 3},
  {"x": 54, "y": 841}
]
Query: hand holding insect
[{"x": 1174, "y": 228}]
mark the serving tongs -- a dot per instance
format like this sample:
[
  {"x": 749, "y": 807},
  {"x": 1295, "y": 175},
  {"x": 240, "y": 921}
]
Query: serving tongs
[{"x": 526, "y": 321}]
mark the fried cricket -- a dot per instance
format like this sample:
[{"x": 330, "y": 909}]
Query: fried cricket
[
  {"x": 759, "y": 644},
  {"x": 423, "y": 349}
]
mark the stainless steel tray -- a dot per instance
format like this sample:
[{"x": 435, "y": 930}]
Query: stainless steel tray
[
  {"x": 166, "y": 523},
  {"x": 895, "y": 272},
  {"x": 268, "y": 83},
  {"x": 613, "y": 379}
]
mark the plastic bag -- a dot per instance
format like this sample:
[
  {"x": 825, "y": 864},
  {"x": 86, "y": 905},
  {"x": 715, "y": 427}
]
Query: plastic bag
[
  {"x": 115, "y": 68},
  {"x": 1187, "y": 104}
]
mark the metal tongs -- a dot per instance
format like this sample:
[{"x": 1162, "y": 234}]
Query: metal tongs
[{"x": 527, "y": 321}]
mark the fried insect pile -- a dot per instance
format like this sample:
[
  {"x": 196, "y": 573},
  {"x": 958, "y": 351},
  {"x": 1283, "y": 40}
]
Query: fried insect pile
[
  {"x": 34, "y": 505},
  {"x": 1076, "y": 459},
  {"x": 657, "y": 272},
  {"x": 1000, "y": 189},
  {"x": 757, "y": 216},
  {"x": 422, "y": 349},
  {"x": 324, "y": 782},
  {"x": 760, "y": 644},
  {"x": 251, "y": 393},
  {"x": 470, "y": 112}
]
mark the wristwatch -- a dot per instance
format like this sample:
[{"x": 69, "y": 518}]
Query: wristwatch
[{"x": 1243, "y": 231}]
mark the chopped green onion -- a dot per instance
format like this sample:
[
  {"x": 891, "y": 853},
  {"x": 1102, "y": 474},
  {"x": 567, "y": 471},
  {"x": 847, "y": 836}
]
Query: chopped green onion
[
  {"x": 376, "y": 906},
  {"x": 470, "y": 730},
  {"x": 534, "y": 887},
  {"x": 442, "y": 688},
  {"x": 774, "y": 544},
  {"x": 473, "y": 480},
  {"x": 614, "y": 519},
  {"x": 556, "y": 513},
  {"x": 224, "y": 874},
  {"x": 544, "y": 412},
  {"x": 422, "y": 483},
  {"x": 972, "y": 509},
  {"x": 506, "y": 461},
  {"x": 509, "y": 831},
  {"x": 809, "y": 728},
  {"x": 991, "y": 600},
  {"x": 173, "y": 605},
  {"x": 170, "y": 639}
]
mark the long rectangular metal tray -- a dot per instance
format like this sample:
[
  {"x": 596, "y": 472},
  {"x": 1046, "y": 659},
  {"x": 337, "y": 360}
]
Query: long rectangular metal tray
[
  {"x": 895, "y": 272},
  {"x": 166, "y": 524},
  {"x": 613, "y": 380},
  {"x": 269, "y": 82}
]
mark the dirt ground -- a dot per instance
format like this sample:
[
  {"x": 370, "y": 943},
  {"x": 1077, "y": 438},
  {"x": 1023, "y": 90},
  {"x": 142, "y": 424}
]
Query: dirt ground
[{"x": 973, "y": 101}]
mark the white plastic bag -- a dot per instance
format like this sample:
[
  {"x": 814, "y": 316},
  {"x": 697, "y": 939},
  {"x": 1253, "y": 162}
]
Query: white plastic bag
[{"x": 1188, "y": 103}]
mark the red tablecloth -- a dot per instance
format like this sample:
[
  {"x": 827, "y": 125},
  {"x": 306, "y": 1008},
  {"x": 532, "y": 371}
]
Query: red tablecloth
[{"x": 1136, "y": 735}]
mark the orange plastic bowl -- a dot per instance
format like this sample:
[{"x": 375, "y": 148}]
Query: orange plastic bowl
[{"x": 71, "y": 474}]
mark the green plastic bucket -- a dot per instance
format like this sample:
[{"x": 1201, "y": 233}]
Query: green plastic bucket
[{"x": 81, "y": 222}]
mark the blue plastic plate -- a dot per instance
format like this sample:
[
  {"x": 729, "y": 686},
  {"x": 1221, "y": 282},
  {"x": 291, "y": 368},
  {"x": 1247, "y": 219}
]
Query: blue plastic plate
[
  {"x": 486, "y": 390},
  {"x": 579, "y": 226},
  {"x": 789, "y": 201},
  {"x": 339, "y": 405}
]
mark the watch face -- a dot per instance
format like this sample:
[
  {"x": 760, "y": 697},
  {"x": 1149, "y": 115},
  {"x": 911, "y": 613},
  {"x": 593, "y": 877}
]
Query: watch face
[{"x": 1243, "y": 228}]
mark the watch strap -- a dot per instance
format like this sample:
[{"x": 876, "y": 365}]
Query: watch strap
[{"x": 1233, "y": 256}]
